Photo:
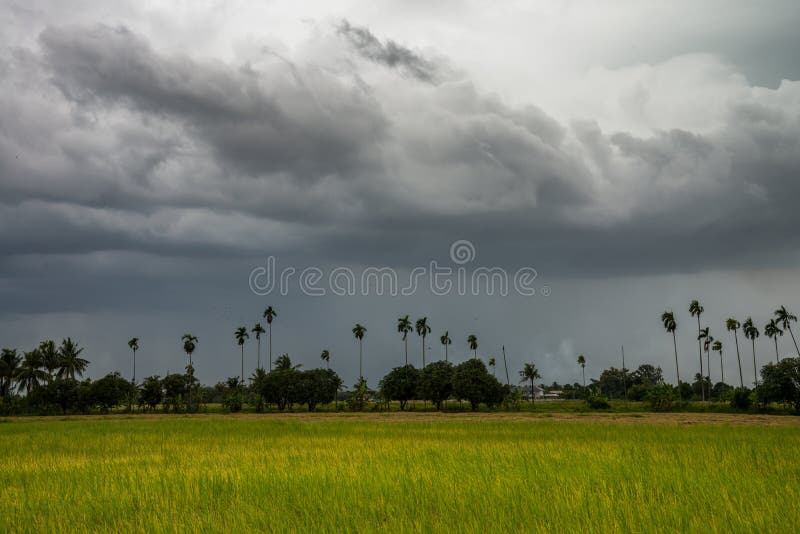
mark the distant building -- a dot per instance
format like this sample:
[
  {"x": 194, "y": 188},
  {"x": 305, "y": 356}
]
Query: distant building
[{"x": 538, "y": 392}]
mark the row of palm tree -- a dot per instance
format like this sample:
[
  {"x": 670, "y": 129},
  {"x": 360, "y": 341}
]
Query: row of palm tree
[
  {"x": 41, "y": 365},
  {"x": 705, "y": 341}
]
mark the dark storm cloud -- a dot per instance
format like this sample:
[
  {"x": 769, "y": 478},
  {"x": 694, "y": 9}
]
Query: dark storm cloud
[{"x": 390, "y": 54}]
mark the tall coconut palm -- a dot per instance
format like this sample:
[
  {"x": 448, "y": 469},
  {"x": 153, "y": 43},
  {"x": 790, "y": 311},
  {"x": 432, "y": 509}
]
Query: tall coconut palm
[
  {"x": 10, "y": 362},
  {"x": 772, "y": 330},
  {"x": 733, "y": 326},
  {"x": 473, "y": 344},
  {"x": 50, "y": 358},
  {"x": 445, "y": 340},
  {"x": 30, "y": 374},
  {"x": 133, "y": 344},
  {"x": 707, "y": 347},
  {"x": 269, "y": 315},
  {"x": 326, "y": 357},
  {"x": 696, "y": 310},
  {"x": 404, "y": 326},
  {"x": 241, "y": 336},
  {"x": 70, "y": 363},
  {"x": 258, "y": 330},
  {"x": 492, "y": 364},
  {"x": 530, "y": 373},
  {"x": 359, "y": 331},
  {"x": 582, "y": 363},
  {"x": 718, "y": 348},
  {"x": 785, "y": 319},
  {"x": 423, "y": 330},
  {"x": 751, "y": 333},
  {"x": 670, "y": 325}
]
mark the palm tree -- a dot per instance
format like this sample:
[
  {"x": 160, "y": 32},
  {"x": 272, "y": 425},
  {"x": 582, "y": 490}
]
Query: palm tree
[
  {"x": 258, "y": 330},
  {"x": 751, "y": 333},
  {"x": 785, "y": 319},
  {"x": 404, "y": 327},
  {"x": 359, "y": 331},
  {"x": 9, "y": 366},
  {"x": 582, "y": 363},
  {"x": 529, "y": 372},
  {"x": 50, "y": 357},
  {"x": 492, "y": 364},
  {"x": 670, "y": 325},
  {"x": 707, "y": 340},
  {"x": 269, "y": 315},
  {"x": 189, "y": 346},
  {"x": 718, "y": 348},
  {"x": 445, "y": 340},
  {"x": 241, "y": 336},
  {"x": 70, "y": 363},
  {"x": 30, "y": 373},
  {"x": 326, "y": 357},
  {"x": 133, "y": 344},
  {"x": 473, "y": 345},
  {"x": 733, "y": 326},
  {"x": 423, "y": 330},
  {"x": 695, "y": 309},
  {"x": 772, "y": 330}
]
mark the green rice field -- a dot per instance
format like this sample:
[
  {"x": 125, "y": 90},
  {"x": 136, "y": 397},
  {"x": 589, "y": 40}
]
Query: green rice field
[{"x": 400, "y": 473}]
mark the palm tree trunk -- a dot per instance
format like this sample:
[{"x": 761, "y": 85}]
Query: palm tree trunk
[
  {"x": 532, "y": 393},
  {"x": 423, "y": 352},
  {"x": 243, "y": 365},
  {"x": 755, "y": 371},
  {"x": 270, "y": 346},
  {"x": 259, "y": 352},
  {"x": 360, "y": 354},
  {"x": 721, "y": 369},
  {"x": 738, "y": 358},
  {"x": 445, "y": 352},
  {"x": 583, "y": 372},
  {"x": 677, "y": 371},
  {"x": 708, "y": 370},
  {"x": 405, "y": 342},
  {"x": 789, "y": 328},
  {"x": 700, "y": 349},
  {"x": 777, "y": 358},
  {"x": 134, "y": 366}
]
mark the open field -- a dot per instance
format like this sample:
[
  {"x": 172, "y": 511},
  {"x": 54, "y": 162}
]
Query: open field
[{"x": 419, "y": 472}]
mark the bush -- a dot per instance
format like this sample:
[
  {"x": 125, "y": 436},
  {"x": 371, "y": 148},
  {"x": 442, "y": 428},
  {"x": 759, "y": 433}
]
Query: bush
[
  {"x": 662, "y": 398},
  {"x": 596, "y": 400},
  {"x": 741, "y": 399}
]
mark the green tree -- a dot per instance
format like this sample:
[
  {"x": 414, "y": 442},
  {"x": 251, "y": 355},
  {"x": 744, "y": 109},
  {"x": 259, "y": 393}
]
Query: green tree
[
  {"x": 110, "y": 391},
  {"x": 707, "y": 339},
  {"x": 436, "y": 382},
  {"x": 189, "y": 346},
  {"x": 69, "y": 362},
  {"x": 751, "y": 333},
  {"x": 785, "y": 319},
  {"x": 30, "y": 374},
  {"x": 269, "y": 315},
  {"x": 50, "y": 357},
  {"x": 400, "y": 384},
  {"x": 445, "y": 340},
  {"x": 359, "y": 331},
  {"x": 780, "y": 383},
  {"x": 317, "y": 386},
  {"x": 133, "y": 344},
  {"x": 423, "y": 330},
  {"x": 530, "y": 373},
  {"x": 696, "y": 310},
  {"x": 258, "y": 330},
  {"x": 772, "y": 330},
  {"x": 582, "y": 363},
  {"x": 472, "y": 340},
  {"x": 326, "y": 357},
  {"x": 241, "y": 336},
  {"x": 671, "y": 325},
  {"x": 492, "y": 363},
  {"x": 151, "y": 393},
  {"x": 10, "y": 362},
  {"x": 404, "y": 327},
  {"x": 472, "y": 382},
  {"x": 733, "y": 326}
]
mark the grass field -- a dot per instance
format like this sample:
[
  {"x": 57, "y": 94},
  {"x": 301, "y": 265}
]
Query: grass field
[{"x": 401, "y": 473}]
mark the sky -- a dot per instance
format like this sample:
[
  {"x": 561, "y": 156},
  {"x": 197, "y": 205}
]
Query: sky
[{"x": 625, "y": 157}]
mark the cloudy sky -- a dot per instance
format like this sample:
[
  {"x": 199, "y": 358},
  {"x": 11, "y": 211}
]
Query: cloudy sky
[{"x": 636, "y": 155}]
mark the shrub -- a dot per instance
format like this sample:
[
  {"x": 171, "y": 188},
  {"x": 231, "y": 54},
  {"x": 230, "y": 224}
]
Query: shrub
[
  {"x": 596, "y": 400},
  {"x": 741, "y": 399},
  {"x": 662, "y": 397}
]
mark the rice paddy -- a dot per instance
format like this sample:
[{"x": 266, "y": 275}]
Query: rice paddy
[{"x": 400, "y": 473}]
